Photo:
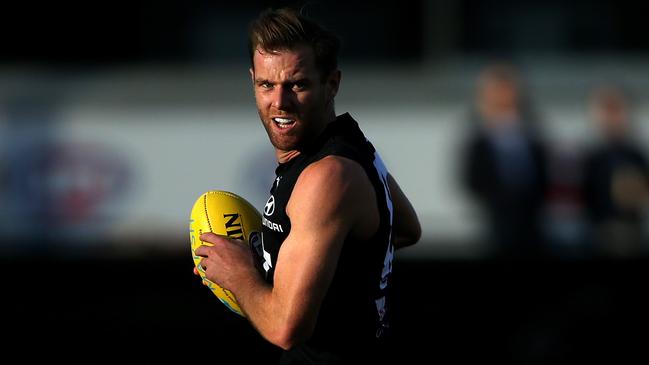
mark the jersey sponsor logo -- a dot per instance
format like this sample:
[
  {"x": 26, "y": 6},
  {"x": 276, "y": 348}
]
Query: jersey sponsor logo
[
  {"x": 269, "y": 209},
  {"x": 274, "y": 226},
  {"x": 233, "y": 226}
]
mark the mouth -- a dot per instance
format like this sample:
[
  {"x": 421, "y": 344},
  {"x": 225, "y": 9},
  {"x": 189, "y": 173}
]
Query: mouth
[{"x": 284, "y": 123}]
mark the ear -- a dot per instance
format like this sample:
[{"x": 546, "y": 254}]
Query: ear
[
  {"x": 252, "y": 75},
  {"x": 333, "y": 83}
]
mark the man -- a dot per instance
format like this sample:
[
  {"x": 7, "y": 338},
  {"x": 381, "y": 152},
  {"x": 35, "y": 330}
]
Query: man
[
  {"x": 318, "y": 287},
  {"x": 504, "y": 163},
  {"x": 615, "y": 177}
]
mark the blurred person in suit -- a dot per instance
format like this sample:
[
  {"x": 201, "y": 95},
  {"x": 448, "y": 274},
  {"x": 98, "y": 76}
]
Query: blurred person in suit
[
  {"x": 616, "y": 177},
  {"x": 504, "y": 163}
]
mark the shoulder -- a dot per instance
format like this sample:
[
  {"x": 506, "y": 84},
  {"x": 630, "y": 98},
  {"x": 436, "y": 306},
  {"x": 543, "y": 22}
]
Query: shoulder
[
  {"x": 331, "y": 173},
  {"x": 477, "y": 139},
  {"x": 638, "y": 152},
  {"x": 331, "y": 179},
  {"x": 335, "y": 192},
  {"x": 333, "y": 164}
]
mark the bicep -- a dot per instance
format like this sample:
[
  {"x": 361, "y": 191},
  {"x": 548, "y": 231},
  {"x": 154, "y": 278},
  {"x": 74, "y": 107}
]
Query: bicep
[
  {"x": 322, "y": 216},
  {"x": 304, "y": 270}
]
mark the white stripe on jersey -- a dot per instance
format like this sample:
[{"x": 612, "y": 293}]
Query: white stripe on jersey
[{"x": 387, "y": 263}]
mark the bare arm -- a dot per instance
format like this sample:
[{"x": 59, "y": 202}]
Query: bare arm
[
  {"x": 286, "y": 313},
  {"x": 405, "y": 226}
]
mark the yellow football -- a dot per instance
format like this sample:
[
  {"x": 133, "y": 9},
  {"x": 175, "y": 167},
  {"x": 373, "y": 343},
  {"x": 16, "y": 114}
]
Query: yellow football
[{"x": 227, "y": 214}]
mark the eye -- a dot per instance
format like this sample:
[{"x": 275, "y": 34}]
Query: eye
[
  {"x": 265, "y": 85},
  {"x": 299, "y": 86}
]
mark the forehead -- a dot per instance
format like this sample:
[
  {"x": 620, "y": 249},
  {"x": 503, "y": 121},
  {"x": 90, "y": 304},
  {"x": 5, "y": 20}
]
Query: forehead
[{"x": 284, "y": 63}]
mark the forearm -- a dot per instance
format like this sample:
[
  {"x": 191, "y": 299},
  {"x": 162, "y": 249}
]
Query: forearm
[
  {"x": 231, "y": 265},
  {"x": 255, "y": 297},
  {"x": 265, "y": 310}
]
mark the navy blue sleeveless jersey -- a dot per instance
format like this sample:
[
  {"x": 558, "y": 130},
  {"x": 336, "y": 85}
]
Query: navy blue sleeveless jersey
[{"x": 353, "y": 321}]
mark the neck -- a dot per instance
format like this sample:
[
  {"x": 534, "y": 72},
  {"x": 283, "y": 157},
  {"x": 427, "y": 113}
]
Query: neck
[{"x": 286, "y": 156}]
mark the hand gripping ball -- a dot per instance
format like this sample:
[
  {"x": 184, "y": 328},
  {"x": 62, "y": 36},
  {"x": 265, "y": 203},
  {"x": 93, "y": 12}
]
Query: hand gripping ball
[{"x": 225, "y": 214}]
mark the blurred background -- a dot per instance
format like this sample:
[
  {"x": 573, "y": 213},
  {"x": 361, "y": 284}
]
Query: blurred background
[{"x": 518, "y": 130}]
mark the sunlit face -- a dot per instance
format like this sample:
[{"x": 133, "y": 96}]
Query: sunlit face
[{"x": 293, "y": 102}]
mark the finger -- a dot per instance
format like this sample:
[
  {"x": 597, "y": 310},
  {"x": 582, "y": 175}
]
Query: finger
[
  {"x": 202, "y": 251},
  {"x": 201, "y": 267},
  {"x": 210, "y": 237},
  {"x": 196, "y": 271}
]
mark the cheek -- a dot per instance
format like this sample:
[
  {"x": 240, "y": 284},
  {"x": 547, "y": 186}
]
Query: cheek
[
  {"x": 263, "y": 102},
  {"x": 311, "y": 100}
]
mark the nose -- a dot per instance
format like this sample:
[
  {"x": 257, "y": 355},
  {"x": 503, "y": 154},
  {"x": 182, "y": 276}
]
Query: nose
[{"x": 282, "y": 97}]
